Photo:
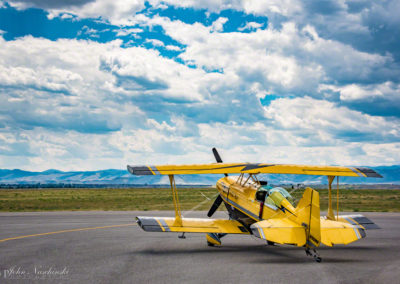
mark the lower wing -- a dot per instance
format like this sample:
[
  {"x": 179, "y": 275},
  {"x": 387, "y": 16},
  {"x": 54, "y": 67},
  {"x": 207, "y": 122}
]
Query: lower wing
[
  {"x": 358, "y": 220},
  {"x": 285, "y": 231},
  {"x": 191, "y": 225},
  {"x": 340, "y": 233},
  {"x": 281, "y": 231}
]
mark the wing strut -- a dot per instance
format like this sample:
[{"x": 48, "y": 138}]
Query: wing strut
[
  {"x": 330, "y": 215},
  {"x": 178, "y": 214},
  {"x": 337, "y": 198}
]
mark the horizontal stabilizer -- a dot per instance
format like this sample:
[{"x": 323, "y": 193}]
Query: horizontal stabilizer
[{"x": 191, "y": 225}]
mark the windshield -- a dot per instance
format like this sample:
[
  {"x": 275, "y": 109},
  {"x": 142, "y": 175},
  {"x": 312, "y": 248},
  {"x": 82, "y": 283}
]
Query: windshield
[
  {"x": 281, "y": 190},
  {"x": 275, "y": 195}
]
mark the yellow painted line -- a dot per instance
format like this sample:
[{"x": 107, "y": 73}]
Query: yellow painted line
[{"x": 67, "y": 231}]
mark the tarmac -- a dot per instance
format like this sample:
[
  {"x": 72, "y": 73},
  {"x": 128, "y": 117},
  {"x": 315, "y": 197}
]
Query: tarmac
[{"x": 108, "y": 247}]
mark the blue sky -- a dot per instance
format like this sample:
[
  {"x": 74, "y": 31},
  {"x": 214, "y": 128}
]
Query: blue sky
[{"x": 89, "y": 84}]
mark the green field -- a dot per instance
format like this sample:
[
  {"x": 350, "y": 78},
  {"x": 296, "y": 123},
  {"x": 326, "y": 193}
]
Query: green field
[{"x": 161, "y": 199}]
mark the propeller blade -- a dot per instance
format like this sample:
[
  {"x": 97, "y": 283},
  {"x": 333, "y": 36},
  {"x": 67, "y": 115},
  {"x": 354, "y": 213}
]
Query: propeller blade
[
  {"x": 215, "y": 206},
  {"x": 217, "y": 157}
]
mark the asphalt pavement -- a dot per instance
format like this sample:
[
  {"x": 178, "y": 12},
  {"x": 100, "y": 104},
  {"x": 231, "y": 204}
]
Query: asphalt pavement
[{"x": 108, "y": 247}]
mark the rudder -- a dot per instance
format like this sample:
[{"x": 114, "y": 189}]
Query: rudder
[{"x": 308, "y": 215}]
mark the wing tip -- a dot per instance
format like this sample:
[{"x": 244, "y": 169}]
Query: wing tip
[
  {"x": 369, "y": 172},
  {"x": 140, "y": 170}
]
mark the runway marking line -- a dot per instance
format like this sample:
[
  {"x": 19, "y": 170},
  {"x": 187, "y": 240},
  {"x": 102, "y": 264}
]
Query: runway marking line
[{"x": 67, "y": 231}]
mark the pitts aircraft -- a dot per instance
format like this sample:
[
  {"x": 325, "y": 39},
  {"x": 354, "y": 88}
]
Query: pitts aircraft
[{"x": 255, "y": 208}]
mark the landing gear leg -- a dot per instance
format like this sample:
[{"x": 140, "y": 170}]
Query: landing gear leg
[
  {"x": 182, "y": 236},
  {"x": 314, "y": 254},
  {"x": 270, "y": 243},
  {"x": 213, "y": 239}
]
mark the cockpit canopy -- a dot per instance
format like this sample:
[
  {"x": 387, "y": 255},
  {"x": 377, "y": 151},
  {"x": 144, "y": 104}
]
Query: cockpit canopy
[
  {"x": 273, "y": 195},
  {"x": 281, "y": 190}
]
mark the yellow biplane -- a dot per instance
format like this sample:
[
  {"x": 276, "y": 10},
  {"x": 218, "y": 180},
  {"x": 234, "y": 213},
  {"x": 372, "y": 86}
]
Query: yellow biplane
[{"x": 255, "y": 208}]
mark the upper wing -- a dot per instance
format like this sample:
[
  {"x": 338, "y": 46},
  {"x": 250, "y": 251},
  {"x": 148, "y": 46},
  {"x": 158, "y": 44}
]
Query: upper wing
[
  {"x": 191, "y": 225},
  {"x": 238, "y": 168}
]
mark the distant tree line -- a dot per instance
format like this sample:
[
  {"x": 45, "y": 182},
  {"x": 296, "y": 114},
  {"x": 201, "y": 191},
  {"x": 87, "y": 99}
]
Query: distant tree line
[{"x": 106, "y": 185}]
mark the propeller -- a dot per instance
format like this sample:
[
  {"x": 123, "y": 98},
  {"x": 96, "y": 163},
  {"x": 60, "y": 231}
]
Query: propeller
[
  {"x": 217, "y": 201},
  {"x": 215, "y": 206},
  {"x": 217, "y": 157}
]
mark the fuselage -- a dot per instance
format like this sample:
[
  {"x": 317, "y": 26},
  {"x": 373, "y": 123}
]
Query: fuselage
[{"x": 240, "y": 198}]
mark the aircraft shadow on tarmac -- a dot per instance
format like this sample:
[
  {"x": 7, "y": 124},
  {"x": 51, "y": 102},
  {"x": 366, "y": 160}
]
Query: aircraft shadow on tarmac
[{"x": 270, "y": 254}]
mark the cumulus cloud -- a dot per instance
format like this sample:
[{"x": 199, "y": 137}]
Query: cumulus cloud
[
  {"x": 173, "y": 47},
  {"x": 322, "y": 122},
  {"x": 155, "y": 42},
  {"x": 218, "y": 25},
  {"x": 290, "y": 60},
  {"x": 86, "y": 86},
  {"x": 376, "y": 99},
  {"x": 366, "y": 25},
  {"x": 251, "y": 26},
  {"x": 118, "y": 12},
  {"x": 87, "y": 105}
]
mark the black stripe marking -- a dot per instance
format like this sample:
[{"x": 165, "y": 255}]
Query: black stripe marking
[
  {"x": 243, "y": 229},
  {"x": 242, "y": 209},
  {"x": 366, "y": 223},
  {"x": 249, "y": 167},
  {"x": 362, "y": 232}
]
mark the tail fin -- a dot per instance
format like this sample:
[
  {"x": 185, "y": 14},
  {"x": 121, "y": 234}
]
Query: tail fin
[{"x": 308, "y": 215}]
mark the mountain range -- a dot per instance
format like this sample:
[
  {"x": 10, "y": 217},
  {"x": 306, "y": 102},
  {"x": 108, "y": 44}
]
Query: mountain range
[{"x": 391, "y": 175}]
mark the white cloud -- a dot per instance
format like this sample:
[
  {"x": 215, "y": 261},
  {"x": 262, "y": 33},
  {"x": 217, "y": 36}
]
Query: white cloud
[
  {"x": 155, "y": 42},
  {"x": 322, "y": 122},
  {"x": 251, "y": 26},
  {"x": 173, "y": 47},
  {"x": 284, "y": 61},
  {"x": 125, "y": 32},
  {"x": 218, "y": 24},
  {"x": 352, "y": 92},
  {"x": 286, "y": 7},
  {"x": 117, "y": 12},
  {"x": 69, "y": 89}
]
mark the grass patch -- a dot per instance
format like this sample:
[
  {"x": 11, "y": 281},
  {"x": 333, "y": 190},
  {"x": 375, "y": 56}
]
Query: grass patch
[
  {"x": 145, "y": 199},
  {"x": 360, "y": 200}
]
